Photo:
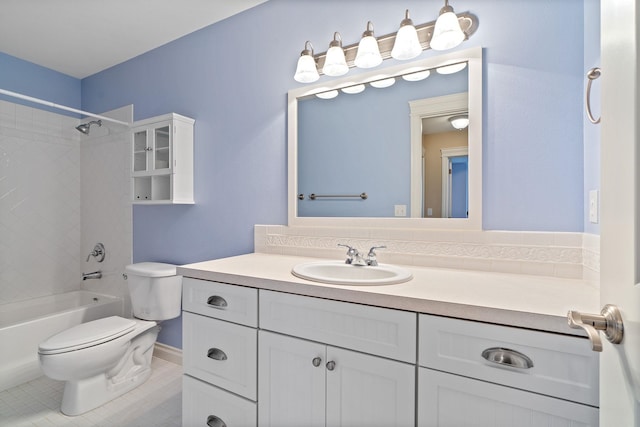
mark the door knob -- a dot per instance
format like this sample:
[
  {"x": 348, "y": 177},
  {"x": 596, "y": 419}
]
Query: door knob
[{"x": 609, "y": 320}]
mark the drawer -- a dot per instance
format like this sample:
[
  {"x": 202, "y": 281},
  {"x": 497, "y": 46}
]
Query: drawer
[
  {"x": 453, "y": 401},
  {"x": 562, "y": 366},
  {"x": 221, "y": 353},
  {"x": 204, "y": 404},
  {"x": 227, "y": 302},
  {"x": 380, "y": 331}
]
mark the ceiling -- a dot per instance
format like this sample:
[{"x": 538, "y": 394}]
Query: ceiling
[{"x": 82, "y": 37}]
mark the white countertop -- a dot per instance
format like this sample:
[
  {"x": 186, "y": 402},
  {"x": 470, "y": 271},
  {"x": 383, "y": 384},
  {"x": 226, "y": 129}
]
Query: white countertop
[{"x": 534, "y": 302}]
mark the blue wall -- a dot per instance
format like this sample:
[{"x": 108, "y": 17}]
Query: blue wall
[{"x": 233, "y": 77}]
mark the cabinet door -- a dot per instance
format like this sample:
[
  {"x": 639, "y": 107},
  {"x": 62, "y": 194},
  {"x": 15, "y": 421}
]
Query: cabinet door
[
  {"x": 365, "y": 390},
  {"x": 290, "y": 387},
  {"x": 447, "y": 400}
]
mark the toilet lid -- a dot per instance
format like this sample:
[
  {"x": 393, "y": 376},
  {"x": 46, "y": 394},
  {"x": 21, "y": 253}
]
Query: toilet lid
[{"x": 87, "y": 335}]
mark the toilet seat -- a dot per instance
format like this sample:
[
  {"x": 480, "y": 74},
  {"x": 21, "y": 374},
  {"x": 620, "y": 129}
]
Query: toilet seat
[{"x": 87, "y": 335}]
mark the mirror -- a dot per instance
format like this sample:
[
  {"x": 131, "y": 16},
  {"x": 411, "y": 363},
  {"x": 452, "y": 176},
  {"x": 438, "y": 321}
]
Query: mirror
[{"x": 362, "y": 159}]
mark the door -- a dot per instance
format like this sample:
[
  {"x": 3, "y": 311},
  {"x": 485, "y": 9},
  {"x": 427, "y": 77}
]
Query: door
[
  {"x": 620, "y": 210},
  {"x": 291, "y": 381},
  {"x": 365, "y": 390}
]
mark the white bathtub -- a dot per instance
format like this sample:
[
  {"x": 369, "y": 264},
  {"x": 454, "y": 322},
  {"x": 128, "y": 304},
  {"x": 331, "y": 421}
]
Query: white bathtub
[{"x": 25, "y": 324}]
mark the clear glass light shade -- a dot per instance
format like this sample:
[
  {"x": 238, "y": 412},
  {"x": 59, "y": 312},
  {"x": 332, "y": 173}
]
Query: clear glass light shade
[
  {"x": 335, "y": 63},
  {"x": 447, "y": 33},
  {"x": 306, "y": 71},
  {"x": 407, "y": 45},
  {"x": 368, "y": 55}
]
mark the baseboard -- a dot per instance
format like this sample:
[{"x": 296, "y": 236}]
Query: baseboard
[{"x": 168, "y": 353}]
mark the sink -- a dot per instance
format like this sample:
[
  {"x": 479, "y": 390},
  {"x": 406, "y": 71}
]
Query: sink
[{"x": 340, "y": 273}]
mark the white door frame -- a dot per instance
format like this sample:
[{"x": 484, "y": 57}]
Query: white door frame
[{"x": 446, "y": 154}]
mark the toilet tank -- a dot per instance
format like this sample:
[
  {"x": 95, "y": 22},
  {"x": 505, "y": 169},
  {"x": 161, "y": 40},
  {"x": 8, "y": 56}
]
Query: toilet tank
[{"x": 155, "y": 289}]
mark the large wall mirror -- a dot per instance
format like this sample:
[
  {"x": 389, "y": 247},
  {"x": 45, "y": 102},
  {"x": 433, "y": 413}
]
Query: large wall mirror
[{"x": 385, "y": 148}]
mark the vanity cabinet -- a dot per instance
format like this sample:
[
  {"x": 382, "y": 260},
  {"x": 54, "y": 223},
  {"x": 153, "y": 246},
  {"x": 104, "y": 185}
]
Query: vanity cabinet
[
  {"x": 303, "y": 380},
  {"x": 257, "y": 357},
  {"x": 219, "y": 332},
  {"x": 162, "y": 160},
  {"x": 473, "y": 373}
]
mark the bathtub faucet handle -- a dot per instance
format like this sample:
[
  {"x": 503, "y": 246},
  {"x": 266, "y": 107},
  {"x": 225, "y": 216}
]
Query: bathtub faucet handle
[{"x": 98, "y": 253}]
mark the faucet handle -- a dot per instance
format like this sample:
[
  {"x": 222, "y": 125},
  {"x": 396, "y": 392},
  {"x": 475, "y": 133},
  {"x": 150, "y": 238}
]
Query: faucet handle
[
  {"x": 371, "y": 257},
  {"x": 351, "y": 253}
]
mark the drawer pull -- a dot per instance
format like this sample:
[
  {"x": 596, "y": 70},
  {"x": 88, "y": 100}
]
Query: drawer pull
[
  {"x": 216, "y": 301},
  {"x": 216, "y": 354},
  {"x": 316, "y": 361},
  {"x": 507, "y": 357},
  {"x": 213, "y": 421},
  {"x": 331, "y": 365}
]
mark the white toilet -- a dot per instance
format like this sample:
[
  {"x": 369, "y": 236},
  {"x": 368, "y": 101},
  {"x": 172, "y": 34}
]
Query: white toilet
[{"x": 105, "y": 358}]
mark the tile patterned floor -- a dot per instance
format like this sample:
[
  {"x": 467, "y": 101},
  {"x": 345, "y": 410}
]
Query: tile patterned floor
[{"x": 155, "y": 403}]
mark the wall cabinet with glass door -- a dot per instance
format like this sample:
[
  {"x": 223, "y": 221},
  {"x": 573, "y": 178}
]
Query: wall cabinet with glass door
[{"x": 162, "y": 161}]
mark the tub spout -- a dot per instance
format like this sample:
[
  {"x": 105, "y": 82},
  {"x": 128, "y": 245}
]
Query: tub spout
[{"x": 94, "y": 275}]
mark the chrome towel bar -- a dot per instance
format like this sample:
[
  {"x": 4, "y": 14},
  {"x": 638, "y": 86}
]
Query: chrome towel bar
[
  {"x": 314, "y": 196},
  {"x": 593, "y": 74}
]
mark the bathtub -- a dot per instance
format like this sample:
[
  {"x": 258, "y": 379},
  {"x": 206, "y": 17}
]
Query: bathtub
[{"x": 25, "y": 324}]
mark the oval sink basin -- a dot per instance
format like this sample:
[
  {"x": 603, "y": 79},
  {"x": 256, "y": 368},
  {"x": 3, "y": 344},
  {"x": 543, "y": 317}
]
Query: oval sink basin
[{"x": 340, "y": 273}]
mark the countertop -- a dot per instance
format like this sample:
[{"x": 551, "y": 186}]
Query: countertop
[{"x": 532, "y": 302}]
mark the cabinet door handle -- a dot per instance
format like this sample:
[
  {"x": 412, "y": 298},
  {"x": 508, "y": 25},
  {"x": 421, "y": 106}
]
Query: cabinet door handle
[
  {"x": 213, "y": 421},
  {"x": 316, "y": 361},
  {"x": 217, "y": 301},
  {"x": 216, "y": 354},
  {"x": 507, "y": 357},
  {"x": 331, "y": 365}
]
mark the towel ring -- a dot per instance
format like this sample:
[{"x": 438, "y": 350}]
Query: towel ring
[{"x": 593, "y": 74}]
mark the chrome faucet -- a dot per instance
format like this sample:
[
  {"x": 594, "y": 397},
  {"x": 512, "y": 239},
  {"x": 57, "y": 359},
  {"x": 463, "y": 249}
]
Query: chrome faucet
[
  {"x": 93, "y": 275},
  {"x": 353, "y": 256}
]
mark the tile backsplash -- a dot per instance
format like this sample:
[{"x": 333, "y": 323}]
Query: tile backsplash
[{"x": 565, "y": 255}]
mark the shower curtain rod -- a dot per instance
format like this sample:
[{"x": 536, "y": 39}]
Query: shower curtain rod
[{"x": 60, "y": 107}]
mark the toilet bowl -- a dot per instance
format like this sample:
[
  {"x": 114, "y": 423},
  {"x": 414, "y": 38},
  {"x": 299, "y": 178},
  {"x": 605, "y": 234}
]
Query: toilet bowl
[{"x": 105, "y": 358}]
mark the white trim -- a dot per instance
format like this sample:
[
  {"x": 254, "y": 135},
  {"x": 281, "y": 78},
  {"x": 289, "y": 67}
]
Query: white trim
[
  {"x": 473, "y": 56},
  {"x": 446, "y": 154},
  {"x": 168, "y": 353}
]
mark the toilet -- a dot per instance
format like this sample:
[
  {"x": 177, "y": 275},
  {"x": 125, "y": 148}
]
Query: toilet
[{"x": 105, "y": 358}]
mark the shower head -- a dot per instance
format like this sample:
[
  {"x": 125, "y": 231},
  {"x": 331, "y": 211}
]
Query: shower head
[{"x": 84, "y": 127}]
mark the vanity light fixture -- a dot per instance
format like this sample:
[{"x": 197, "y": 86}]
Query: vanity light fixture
[
  {"x": 306, "y": 71},
  {"x": 447, "y": 33},
  {"x": 335, "y": 63},
  {"x": 407, "y": 45},
  {"x": 459, "y": 122},
  {"x": 368, "y": 55}
]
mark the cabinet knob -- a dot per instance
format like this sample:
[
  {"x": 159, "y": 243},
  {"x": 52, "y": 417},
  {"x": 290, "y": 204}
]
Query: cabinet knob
[
  {"x": 316, "y": 361},
  {"x": 216, "y": 354},
  {"x": 216, "y": 301},
  {"x": 331, "y": 365},
  {"x": 213, "y": 421},
  {"x": 507, "y": 357}
]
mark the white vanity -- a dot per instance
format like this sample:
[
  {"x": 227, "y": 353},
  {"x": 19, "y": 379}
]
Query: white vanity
[{"x": 446, "y": 348}]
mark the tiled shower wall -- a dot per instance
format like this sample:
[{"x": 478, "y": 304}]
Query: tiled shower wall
[{"x": 51, "y": 180}]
